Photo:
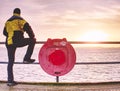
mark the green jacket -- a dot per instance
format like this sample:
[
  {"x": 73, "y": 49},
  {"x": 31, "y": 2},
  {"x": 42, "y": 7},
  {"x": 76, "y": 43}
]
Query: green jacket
[{"x": 14, "y": 29}]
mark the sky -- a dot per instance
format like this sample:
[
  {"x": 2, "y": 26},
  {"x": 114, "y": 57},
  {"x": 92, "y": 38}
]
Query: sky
[{"x": 75, "y": 20}]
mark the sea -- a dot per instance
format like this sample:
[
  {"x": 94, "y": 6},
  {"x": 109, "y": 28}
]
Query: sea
[{"x": 82, "y": 73}]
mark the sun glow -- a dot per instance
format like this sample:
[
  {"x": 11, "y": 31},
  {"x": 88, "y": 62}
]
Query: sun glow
[{"x": 94, "y": 36}]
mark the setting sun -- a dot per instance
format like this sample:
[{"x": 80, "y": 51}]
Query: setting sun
[{"x": 94, "y": 36}]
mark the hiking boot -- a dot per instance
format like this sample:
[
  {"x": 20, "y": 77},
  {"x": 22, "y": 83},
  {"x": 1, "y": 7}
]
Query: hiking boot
[
  {"x": 29, "y": 61},
  {"x": 12, "y": 83}
]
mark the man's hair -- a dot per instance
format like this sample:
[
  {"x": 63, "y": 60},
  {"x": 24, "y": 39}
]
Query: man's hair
[{"x": 17, "y": 10}]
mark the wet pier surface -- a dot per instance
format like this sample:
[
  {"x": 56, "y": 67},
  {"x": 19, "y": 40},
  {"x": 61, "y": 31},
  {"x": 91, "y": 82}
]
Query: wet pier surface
[{"x": 109, "y": 86}]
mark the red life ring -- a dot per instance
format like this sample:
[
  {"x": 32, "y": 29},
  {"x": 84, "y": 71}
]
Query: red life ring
[{"x": 57, "y": 57}]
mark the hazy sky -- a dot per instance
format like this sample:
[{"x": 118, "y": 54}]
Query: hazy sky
[{"x": 71, "y": 19}]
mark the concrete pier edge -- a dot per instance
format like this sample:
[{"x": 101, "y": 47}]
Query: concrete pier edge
[{"x": 67, "y": 83}]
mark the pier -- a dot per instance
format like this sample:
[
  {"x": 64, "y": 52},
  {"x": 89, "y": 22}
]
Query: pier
[{"x": 106, "y": 86}]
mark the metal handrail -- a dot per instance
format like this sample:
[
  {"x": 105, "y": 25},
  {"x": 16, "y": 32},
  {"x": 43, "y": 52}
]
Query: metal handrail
[
  {"x": 77, "y": 42},
  {"x": 77, "y": 63},
  {"x": 82, "y": 42}
]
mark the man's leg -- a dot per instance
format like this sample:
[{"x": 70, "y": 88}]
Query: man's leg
[
  {"x": 30, "y": 49},
  {"x": 11, "y": 58},
  {"x": 30, "y": 43}
]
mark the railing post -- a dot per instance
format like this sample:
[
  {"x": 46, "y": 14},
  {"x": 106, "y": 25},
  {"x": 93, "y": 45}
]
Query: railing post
[{"x": 57, "y": 79}]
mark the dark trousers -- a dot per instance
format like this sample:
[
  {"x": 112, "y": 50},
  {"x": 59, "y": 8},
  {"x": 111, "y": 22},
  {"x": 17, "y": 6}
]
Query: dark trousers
[{"x": 11, "y": 54}]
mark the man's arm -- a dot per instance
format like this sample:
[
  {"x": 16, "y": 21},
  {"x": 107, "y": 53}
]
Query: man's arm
[
  {"x": 29, "y": 30},
  {"x": 5, "y": 32}
]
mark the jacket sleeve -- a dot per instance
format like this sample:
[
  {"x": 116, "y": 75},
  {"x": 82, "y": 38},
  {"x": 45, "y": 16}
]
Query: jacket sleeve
[
  {"x": 29, "y": 30},
  {"x": 5, "y": 32}
]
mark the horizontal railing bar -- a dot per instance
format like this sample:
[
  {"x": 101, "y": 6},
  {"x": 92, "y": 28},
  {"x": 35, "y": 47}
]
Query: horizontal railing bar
[
  {"x": 95, "y": 42},
  {"x": 77, "y": 63},
  {"x": 17, "y": 63},
  {"x": 81, "y": 42},
  {"x": 2, "y": 42}
]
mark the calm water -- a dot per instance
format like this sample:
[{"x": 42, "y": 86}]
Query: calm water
[{"x": 80, "y": 73}]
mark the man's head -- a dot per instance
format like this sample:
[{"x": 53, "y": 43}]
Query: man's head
[{"x": 17, "y": 11}]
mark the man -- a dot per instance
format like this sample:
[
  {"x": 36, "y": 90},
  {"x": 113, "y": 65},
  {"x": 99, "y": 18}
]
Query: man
[{"x": 14, "y": 31}]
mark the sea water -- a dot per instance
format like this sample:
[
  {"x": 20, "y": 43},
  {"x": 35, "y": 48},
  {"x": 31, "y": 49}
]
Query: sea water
[{"x": 80, "y": 73}]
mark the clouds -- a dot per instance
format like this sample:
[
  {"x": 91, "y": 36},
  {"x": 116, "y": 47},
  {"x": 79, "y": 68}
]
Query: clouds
[
  {"x": 84, "y": 7},
  {"x": 65, "y": 15}
]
